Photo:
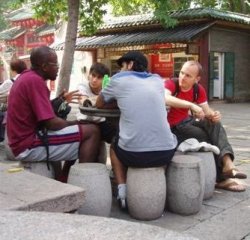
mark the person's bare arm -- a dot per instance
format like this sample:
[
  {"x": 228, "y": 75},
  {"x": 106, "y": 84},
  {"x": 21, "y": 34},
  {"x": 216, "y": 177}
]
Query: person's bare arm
[
  {"x": 214, "y": 116},
  {"x": 179, "y": 103},
  {"x": 101, "y": 104},
  {"x": 57, "y": 123}
]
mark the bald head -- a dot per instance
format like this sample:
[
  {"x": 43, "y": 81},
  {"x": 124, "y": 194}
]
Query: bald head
[
  {"x": 197, "y": 65},
  {"x": 40, "y": 56},
  {"x": 44, "y": 62}
]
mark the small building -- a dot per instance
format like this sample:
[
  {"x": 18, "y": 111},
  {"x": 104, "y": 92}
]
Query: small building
[
  {"x": 219, "y": 40},
  {"x": 25, "y": 33}
]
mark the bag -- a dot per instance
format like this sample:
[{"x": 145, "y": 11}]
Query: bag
[{"x": 60, "y": 107}]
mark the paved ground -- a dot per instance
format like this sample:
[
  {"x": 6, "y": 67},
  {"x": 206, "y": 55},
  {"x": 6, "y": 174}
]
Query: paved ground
[{"x": 227, "y": 215}]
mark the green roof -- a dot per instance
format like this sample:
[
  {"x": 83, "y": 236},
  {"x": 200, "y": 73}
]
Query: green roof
[
  {"x": 180, "y": 34},
  {"x": 45, "y": 30},
  {"x": 181, "y": 15},
  {"x": 21, "y": 14},
  {"x": 11, "y": 33}
]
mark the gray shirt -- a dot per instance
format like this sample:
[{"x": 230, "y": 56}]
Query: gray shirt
[{"x": 143, "y": 122}]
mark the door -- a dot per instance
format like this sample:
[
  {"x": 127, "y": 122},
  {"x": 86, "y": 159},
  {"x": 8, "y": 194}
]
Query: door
[{"x": 216, "y": 88}]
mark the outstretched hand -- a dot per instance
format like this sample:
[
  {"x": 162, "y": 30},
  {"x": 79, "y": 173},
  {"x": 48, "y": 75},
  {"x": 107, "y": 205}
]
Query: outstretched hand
[{"x": 71, "y": 97}]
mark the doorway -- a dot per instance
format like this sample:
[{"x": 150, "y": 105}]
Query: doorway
[{"x": 218, "y": 75}]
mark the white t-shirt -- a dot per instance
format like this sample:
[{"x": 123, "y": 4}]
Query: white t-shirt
[{"x": 85, "y": 90}]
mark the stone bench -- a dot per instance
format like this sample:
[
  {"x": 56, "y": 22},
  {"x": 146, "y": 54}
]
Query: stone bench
[
  {"x": 23, "y": 190},
  {"x": 146, "y": 192},
  {"x": 94, "y": 178},
  {"x": 185, "y": 184},
  {"x": 41, "y": 225}
]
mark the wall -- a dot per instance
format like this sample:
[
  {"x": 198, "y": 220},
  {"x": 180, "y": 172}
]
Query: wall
[
  {"x": 80, "y": 69},
  {"x": 225, "y": 40}
]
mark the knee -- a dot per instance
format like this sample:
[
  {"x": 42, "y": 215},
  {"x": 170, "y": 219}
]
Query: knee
[{"x": 91, "y": 130}]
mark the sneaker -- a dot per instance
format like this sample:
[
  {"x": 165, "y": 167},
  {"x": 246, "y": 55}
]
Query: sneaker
[
  {"x": 189, "y": 145},
  {"x": 207, "y": 147},
  {"x": 123, "y": 204}
]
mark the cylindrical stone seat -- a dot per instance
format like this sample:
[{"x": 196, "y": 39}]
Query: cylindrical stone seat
[
  {"x": 7, "y": 149},
  {"x": 185, "y": 184},
  {"x": 146, "y": 192},
  {"x": 207, "y": 159},
  {"x": 39, "y": 168},
  {"x": 102, "y": 157},
  {"x": 94, "y": 178}
]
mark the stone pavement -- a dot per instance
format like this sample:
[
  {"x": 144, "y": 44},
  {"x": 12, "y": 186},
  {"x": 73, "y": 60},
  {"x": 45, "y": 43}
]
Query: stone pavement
[{"x": 227, "y": 215}]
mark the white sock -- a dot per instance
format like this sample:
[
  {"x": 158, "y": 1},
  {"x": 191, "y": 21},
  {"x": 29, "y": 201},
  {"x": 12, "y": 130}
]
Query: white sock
[{"x": 122, "y": 190}]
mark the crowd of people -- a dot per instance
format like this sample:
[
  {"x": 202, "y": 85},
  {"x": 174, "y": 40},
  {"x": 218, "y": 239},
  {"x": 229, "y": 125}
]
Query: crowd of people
[{"x": 148, "y": 135}]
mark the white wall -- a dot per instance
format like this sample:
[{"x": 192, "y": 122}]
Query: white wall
[{"x": 82, "y": 60}]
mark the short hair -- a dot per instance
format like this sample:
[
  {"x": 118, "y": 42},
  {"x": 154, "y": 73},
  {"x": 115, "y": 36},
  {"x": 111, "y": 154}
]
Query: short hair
[
  {"x": 100, "y": 69},
  {"x": 18, "y": 66},
  {"x": 197, "y": 64},
  {"x": 40, "y": 55},
  {"x": 140, "y": 62}
]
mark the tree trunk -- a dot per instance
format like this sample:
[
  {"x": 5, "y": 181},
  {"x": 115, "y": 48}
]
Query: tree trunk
[{"x": 69, "y": 47}]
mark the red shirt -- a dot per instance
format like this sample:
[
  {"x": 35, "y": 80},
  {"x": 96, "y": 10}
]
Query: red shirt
[
  {"x": 176, "y": 115},
  {"x": 28, "y": 105}
]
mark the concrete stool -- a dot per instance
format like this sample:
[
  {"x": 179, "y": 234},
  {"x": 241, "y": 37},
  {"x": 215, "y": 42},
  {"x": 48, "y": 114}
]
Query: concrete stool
[
  {"x": 207, "y": 159},
  {"x": 94, "y": 178},
  {"x": 9, "y": 155},
  {"x": 102, "y": 157},
  {"x": 39, "y": 168},
  {"x": 146, "y": 192},
  {"x": 185, "y": 184}
]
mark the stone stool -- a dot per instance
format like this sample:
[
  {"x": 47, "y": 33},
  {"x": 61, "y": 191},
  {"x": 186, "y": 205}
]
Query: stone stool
[
  {"x": 185, "y": 184},
  {"x": 207, "y": 159},
  {"x": 8, "y": 152},
  {"x": 94, "y": 178},
  {"x": 39, "y": 168},
  {"x": 146, "y": 192},
  {"x": 102, "y": 157}
]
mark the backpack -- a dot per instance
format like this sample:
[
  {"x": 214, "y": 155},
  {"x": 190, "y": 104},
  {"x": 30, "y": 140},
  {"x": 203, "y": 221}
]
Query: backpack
[{"x": 177, "y": 89}]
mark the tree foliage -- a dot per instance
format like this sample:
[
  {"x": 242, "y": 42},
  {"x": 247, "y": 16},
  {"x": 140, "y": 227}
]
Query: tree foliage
[
  {"x": 5, "y": 6},
  {"x": 89, "y": 14}
]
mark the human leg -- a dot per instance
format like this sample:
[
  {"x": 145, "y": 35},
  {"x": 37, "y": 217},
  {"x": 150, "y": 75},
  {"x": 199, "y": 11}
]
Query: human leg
[
  {"x": 218, "y": 137},
  {"x": 63, "y": 145},
  {"x": 90, "y": 143},
  {"x": 119, "y": 169},
  {"x": 188, "y": 130}
]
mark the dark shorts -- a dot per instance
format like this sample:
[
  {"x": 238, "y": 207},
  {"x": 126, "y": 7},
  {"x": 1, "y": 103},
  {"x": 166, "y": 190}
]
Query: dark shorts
[
  {"x": 143, "y": 159},
  {"x": 108, "y": 131}
]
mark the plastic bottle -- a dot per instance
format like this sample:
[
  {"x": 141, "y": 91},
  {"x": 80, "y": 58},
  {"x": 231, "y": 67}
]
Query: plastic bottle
[{"x": 105, "y": 81}]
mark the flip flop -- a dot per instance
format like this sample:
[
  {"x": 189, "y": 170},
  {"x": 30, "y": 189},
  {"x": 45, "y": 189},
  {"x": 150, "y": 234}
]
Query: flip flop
[
  {"x": 234, "y": 173},
  {"x": 230, "y": 186}
]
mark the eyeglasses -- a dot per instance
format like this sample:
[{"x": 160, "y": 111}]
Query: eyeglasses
[{"x": 53, "y": 64}]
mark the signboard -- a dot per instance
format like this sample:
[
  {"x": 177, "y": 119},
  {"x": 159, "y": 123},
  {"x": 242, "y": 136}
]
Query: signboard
[{"x": 162, "y": 64}]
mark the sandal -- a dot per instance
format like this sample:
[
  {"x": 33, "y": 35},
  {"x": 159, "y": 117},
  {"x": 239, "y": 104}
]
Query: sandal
[
  {"x": 234, "y": 173},
  {"x": 230, "y": 186}
]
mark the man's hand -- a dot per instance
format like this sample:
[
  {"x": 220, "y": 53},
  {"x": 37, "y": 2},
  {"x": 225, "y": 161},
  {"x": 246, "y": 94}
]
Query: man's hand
[
  {"x": 197, "y": 111},
  {"x": 215, "y": 116},
  {"x": 71, "y": 97}
]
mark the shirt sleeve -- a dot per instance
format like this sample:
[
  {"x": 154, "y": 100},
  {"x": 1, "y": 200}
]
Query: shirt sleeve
[
  {"x": 202, "y": 97},
  {"x": 170, "y": 85},
  {"x": 109, "y": 92},
  {"x": 83, "y": 89}
]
